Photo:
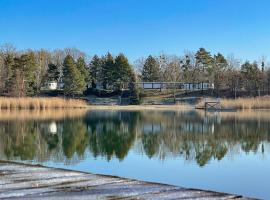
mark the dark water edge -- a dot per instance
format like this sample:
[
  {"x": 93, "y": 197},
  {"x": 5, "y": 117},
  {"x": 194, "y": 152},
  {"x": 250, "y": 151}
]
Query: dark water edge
[{"x": 226, "y": 152}]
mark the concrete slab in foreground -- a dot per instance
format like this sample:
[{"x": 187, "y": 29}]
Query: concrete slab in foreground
[{"x": 20, "y": 181}]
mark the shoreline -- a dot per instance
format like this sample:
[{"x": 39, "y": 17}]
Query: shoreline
[
  {"x": 140, "y": 107},
  {"x": 59, "y": 103}
]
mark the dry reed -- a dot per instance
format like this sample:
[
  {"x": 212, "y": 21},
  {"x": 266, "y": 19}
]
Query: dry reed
[
  {"x": 243, "y": 103},
  {"x": 34, "y": 103},
  {"x": 247, "y": 103},
  {"x": 250, "y": 114}
]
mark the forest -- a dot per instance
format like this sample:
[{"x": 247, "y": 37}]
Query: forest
[{"x": 25, "y": 72}]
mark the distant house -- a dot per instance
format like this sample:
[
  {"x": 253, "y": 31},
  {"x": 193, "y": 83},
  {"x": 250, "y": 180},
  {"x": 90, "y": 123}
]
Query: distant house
[
  {"x": 150, "y": 85},
  {"x": 179, "y": 85},
  {"x": 167, "y": 85},
  {"x": 53, "y": 85},
  {"x": 198, "y": 86}
]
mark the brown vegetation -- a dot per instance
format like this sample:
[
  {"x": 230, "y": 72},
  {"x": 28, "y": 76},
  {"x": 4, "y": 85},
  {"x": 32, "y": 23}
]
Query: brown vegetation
[
  {"x": 247, "y": 103},
  {"x": 242, "y": 103},
  {"x": 35, "y": 103}
]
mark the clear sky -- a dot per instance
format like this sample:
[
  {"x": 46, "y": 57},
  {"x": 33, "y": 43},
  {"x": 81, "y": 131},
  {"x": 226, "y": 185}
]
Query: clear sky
[{"x": 139, "y": 27}]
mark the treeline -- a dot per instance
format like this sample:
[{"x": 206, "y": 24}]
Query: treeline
[
  {"x": 226, "y": 73},
  {"x": 24, "y": 73}
]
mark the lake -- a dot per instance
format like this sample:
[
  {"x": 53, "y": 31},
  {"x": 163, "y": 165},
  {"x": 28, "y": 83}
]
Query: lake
[{"x": 226, "y": 152}]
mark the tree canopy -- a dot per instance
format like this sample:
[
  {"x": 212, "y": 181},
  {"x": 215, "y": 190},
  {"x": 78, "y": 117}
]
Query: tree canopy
[{"x": 151, "y": 70}]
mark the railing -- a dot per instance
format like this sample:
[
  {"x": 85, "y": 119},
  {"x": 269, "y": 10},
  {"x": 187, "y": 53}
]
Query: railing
[{"x": 212, "y": 104}]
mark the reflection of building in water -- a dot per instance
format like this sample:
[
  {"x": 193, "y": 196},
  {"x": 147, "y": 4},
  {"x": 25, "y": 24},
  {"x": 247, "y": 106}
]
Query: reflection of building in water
[
  {"x": 53, "y": 128},
  {"x": 151, "y": 128},
  {"x": 211, "y": 117}
]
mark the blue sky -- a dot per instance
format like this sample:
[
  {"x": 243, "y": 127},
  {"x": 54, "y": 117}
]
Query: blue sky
[{"x": 139, "y": 27}]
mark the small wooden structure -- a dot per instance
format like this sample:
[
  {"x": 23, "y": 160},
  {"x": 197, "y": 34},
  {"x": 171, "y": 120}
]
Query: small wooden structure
[
  {"x": 22, "y": 181},
  {"x": 212, "y": 104}
]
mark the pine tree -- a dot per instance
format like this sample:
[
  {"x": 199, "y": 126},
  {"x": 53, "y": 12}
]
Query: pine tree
[
  {"x": 23, "y": 78},
  {"x": 122, "y": 71},
  {"x": 74, "y": 83},
  {"x": 220, "y": 64},
  {"x": 82, "y": 67},
  {"x": 53, "y": 72},
  {"x": 251, "y": 75},
  {"x": 9, "y": 71},
  {"x": 107, "y": 71},
  {"x": 151, "y": 70},
  {"x": 204, "y": 62},
  {"x": 95, "y": 68}
]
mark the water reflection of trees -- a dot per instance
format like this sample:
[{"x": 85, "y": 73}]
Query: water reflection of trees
[
  {"x": 111, "y": 134},
  {"x": 193, "y": 136}
]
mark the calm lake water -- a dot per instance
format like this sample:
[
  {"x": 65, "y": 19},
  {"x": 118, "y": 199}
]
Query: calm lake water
[{"x": 226, "y": 152}]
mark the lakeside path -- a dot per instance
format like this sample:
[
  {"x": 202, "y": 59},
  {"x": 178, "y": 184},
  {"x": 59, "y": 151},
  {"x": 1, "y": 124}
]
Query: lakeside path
[{"x": 23, "y": 181}]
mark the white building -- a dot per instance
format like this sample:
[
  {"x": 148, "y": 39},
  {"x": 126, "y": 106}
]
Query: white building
[
  {"x": 150, "y": 85},
  {"x": 53, "y": 85},
  {"x": 179, "y": 85},
  {"x": 198, "y": 86}
]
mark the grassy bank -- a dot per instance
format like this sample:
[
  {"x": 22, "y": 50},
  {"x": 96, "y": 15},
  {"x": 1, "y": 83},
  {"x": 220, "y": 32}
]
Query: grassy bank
[
  {"x": 36, "y": 103},
  {"x": 247, "y": 103},
  {"x": 243, "y": 103}
]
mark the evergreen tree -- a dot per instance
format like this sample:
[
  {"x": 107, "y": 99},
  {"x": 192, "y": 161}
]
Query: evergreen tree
[
  {"x": 107, "y": 70},
  {"x": 9, "y": 71},
  {"x": 122, "y": 71},
  {"x": 204, "y": 62},
  {"x": 251, "y": 75},
  {"x": 95, "y": 70},
  {"x": 23, "y": 78},
  {"x": 53, "y": 72},
  {"x": 74, "y": 83},
  {"x": 220, "y": 64},
  {"x": 151, "y": 70},
  {"x": 82, "y": 67}
]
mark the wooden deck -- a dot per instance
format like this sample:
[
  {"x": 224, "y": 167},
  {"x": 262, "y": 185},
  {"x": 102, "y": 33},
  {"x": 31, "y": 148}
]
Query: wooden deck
[{"x": 20, "y": 181}]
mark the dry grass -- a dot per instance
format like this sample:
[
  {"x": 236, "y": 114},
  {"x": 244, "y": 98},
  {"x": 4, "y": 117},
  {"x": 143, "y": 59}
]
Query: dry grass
[
  {"x": 248, "y": 114},
  {"x": 243, "y": 103},
  {"x": 247, "y": 103},
  {"x": 40, "y": 103}
]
